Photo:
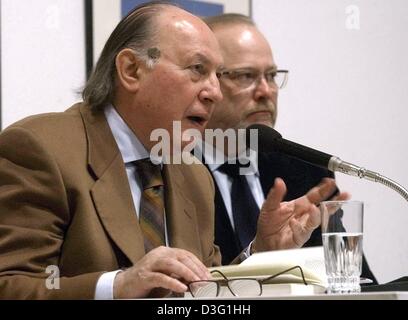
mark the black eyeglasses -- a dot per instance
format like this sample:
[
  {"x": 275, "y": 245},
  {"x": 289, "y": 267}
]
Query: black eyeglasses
[
  {"x": 246, "y": 78},
  {"x": 239, "y": 287}
]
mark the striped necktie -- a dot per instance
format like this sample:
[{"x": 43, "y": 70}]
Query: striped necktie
[{"x": 151, "y": 217}]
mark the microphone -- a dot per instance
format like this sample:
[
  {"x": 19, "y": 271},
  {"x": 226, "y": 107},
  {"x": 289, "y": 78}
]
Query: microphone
[{"x": 271, "y": 140}]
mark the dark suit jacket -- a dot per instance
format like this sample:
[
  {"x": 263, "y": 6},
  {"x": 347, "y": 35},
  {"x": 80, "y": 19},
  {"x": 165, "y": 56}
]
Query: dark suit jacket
[
  {"x": 299, "y": 177},
  {"x": 65, "y": 200}
]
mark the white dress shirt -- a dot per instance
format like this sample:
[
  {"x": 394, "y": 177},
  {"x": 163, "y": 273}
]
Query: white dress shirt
[{"x": 212, "y": 157}]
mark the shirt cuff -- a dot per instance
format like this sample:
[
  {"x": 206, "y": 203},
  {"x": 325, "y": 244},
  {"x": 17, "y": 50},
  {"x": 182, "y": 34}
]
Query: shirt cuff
[
  {"x": 247, "y": 251},
  {"x": 245, "y": 254},
  {"x": 104, "y": 286}
]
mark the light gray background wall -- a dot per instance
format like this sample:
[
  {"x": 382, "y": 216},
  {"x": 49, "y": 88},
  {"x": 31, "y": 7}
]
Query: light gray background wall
[
  {"x": 348, "y": 95},
  {"x": 43, "y": 56}
]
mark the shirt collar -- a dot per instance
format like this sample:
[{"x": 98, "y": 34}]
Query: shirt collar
[
  {"x": 129, "y": 145},
  {"x": 214, "y": 158}
]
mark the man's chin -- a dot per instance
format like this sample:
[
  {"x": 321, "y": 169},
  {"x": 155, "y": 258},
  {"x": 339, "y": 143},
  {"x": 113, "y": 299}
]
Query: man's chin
[
  {"x": 265, "y": 122},
  {"x": 265, "y": 118}
]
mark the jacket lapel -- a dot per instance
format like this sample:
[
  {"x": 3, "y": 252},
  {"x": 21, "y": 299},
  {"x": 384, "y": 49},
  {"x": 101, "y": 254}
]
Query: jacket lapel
[
  {"x": 111, "y": 192},
  {"x": 224, "y": 233},
  {"x": 181, "y": 217}
]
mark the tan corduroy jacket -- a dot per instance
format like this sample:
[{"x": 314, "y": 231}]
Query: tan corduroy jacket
[{"x": 65, "y": 201}]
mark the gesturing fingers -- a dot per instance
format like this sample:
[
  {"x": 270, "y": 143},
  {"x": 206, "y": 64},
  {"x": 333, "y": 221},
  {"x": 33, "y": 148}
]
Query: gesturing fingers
[
  {"x": 275, "y": 196},
  {"x": 300, "y": 232},
  {"x": 322, "y": 191},
  {"x": 342, "y": 196}
]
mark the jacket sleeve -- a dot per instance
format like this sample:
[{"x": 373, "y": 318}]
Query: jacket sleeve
[{"x": 34, "y": 215}]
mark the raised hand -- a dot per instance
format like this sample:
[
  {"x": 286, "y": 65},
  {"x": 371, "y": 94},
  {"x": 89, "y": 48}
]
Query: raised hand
[{"x": 285, "y": 225}]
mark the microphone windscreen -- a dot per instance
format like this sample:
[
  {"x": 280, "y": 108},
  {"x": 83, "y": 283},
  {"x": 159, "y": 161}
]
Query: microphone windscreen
[
  {"x": 266, "y": 137},
  {"x": 271, "y": 140}
]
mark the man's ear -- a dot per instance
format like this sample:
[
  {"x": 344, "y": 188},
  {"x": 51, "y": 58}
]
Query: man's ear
[{"x": 127, "y": 69}]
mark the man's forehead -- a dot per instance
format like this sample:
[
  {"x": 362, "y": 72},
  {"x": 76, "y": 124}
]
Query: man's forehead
[
  {"x": 239, "y": 43},
  {"x": 179, "y": 21},
  {"x": 192, "y": 41},
  {"x": 239, "y": 36}
]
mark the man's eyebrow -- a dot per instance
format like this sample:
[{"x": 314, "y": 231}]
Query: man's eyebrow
[
  {"x": 203, "y": 59},
  {"x": 273, "y": 68},
  {"x": 220, "y": 68},
  {"x": 252, "y": 68}
]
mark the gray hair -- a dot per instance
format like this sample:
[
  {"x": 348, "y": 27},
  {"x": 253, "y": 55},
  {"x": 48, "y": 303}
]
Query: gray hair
[
  {"x": 228, "y": 19},
  {"x": 135, "y": 32}
]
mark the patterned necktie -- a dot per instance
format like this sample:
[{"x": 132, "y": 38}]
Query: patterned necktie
[
  {"x": 151, "y": 218},
  {"x": 245, "y": 210}
]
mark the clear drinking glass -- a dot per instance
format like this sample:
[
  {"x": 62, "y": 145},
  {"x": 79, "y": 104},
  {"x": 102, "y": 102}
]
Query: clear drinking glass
[{"x": 342, "y": 233}]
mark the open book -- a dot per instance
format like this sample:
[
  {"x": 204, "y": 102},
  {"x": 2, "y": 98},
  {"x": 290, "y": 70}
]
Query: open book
[{"x": 263, "y": 265}]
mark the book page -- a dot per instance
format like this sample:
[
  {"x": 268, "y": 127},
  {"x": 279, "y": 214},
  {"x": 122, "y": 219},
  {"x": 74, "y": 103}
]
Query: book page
[
  {"x": 311, "y": 258},
  {"x": 261, "y": 266},
  {"x": 265, "y": 264}
]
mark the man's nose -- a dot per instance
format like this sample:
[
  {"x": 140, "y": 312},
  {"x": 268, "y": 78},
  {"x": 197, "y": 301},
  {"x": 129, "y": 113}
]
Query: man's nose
[
  {"x": 264, "y": 90},
  {"x": 212, "y": 92}
]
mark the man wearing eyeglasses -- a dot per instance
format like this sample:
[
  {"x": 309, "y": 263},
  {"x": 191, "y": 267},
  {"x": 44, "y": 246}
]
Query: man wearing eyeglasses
[{"x": 250, "y": 82}]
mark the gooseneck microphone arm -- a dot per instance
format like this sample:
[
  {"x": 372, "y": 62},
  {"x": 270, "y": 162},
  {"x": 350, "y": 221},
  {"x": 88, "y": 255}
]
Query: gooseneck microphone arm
[
  {"x": 271, "y": 140},
  {"x": 338, "y": 165}
]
